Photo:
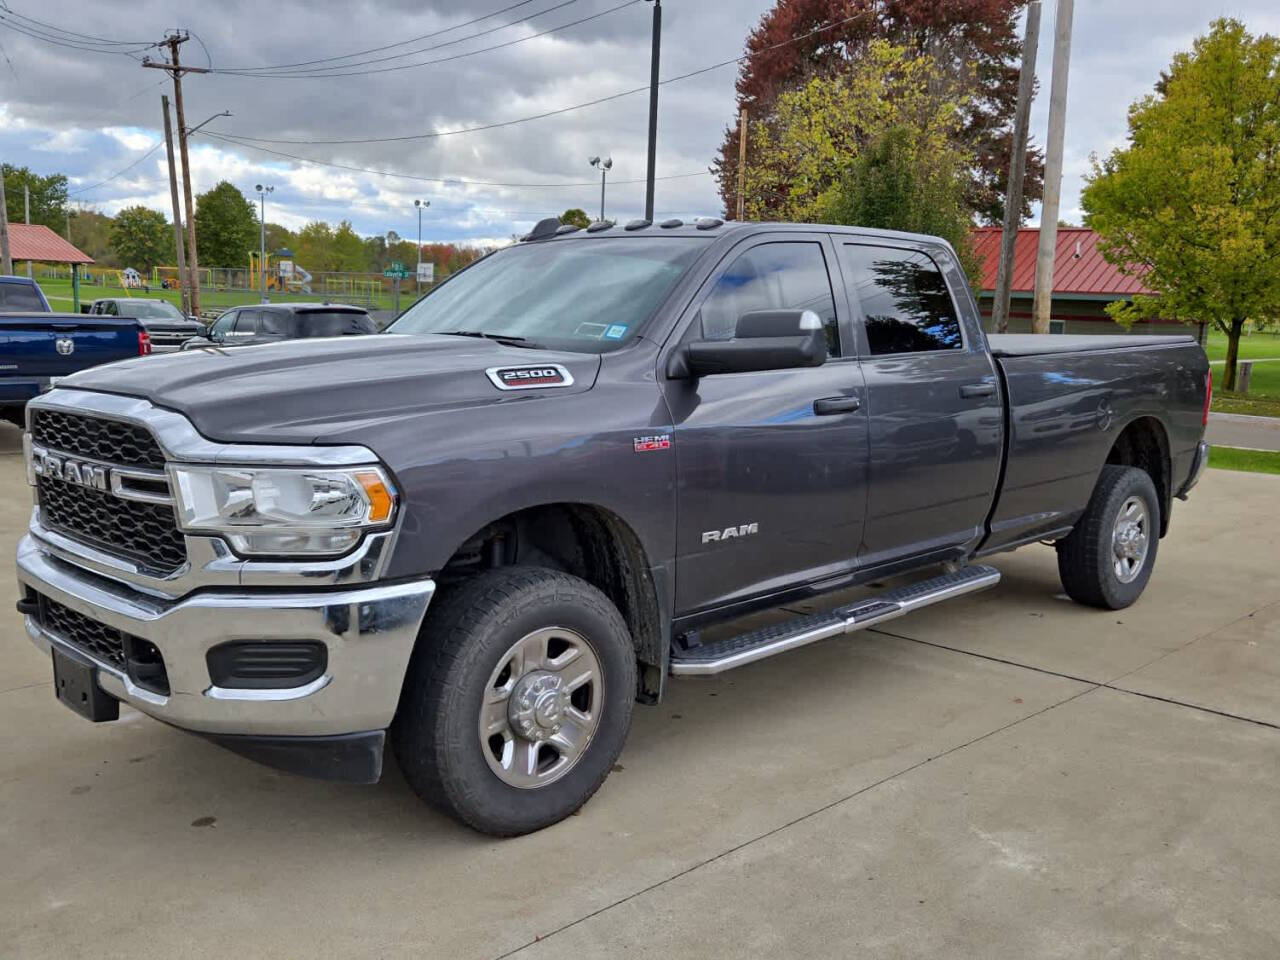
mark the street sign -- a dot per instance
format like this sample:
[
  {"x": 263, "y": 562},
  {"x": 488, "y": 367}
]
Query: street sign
[
  {"x": 396, "y": 271},
  {"x": 426, "y": 273}
]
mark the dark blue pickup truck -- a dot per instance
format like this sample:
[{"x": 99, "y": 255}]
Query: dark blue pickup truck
[{"x": 38, "y": 346}]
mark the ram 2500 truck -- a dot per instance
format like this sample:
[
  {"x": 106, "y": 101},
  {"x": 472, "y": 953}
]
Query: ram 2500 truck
[
  {"x": 38, "y": 346},
  {"x": 488, "y": 532}
]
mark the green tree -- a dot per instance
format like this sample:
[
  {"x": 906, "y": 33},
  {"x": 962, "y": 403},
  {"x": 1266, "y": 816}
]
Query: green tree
[
  {"x": 893, "y": 184},
  {"x": 348, "y": 249},
  {"x": 226, "y": 227},
  {"x": 278, "y": 237},
  {"x": 91, "y": 232},
  {"x": 142, "y": 238},
  {"x": 1192, "y": 203},
  {"x": 577, "y": 217},
  {"x": 314, "y": 247},
  {"x": 48, "y": 196}
]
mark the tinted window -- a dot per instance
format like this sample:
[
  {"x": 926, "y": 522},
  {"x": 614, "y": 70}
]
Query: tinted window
[
  {"x": 334, "y": 323},
  {"x": 904, "y": 298},
  {"x": 247, "y": 323},
  {"x": 109, "y": 308},
  {"x": 20, "y": 297},
  {"x": 772, "y": 276},
  {"x": 222, "y": 326},
  {"x": 273, "y": 322},
  {"x": 589, "y": 294}
]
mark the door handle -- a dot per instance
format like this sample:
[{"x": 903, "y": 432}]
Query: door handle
[
  {"x": 970, "y": 390},
  {"x": 833, "y": 405}
]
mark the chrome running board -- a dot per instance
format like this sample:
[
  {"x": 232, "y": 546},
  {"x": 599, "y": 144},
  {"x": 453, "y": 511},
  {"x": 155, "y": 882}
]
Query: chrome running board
[{"x": 736, "y": 651}]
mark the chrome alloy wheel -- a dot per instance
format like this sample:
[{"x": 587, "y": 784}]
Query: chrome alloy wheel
[
  {"x": 541, "y": 707},
  {"x": 1130, "y": 539}
]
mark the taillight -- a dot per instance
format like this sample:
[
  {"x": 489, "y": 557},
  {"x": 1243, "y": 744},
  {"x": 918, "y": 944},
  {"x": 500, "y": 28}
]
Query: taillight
[
  {"x": 144, "y": 344},
  {"x": 1208, "y": 397}
]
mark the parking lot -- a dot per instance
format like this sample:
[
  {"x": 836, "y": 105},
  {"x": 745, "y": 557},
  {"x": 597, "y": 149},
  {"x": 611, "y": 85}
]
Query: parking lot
[{"x": 1009, "y": 775}]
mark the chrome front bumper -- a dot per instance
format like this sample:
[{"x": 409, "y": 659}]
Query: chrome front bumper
[{"x": 369, "y": 632}]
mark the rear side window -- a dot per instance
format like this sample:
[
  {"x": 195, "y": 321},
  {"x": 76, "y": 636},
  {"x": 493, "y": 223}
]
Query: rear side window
[
  {"x": 274, "y": 323},
  {"x": 19, "y": 297},
  {"x": 772, "y": 276},
  {"x": 904, "y": 298},
  {"x": 334, "y": 323}
]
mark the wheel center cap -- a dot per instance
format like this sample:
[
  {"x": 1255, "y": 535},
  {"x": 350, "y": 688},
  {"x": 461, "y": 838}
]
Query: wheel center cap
[{"x": 538, "y": 705}]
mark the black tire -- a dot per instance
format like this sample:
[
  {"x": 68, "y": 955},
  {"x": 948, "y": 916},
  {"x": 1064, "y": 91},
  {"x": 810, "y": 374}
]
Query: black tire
[
  {"x": 465, "y": 637},
  {"x": 1086, "y": 558}
]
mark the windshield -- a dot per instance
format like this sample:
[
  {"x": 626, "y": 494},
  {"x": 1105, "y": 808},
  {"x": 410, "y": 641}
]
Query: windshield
[
  {"x": 149, "y": 310},
  {"x": 585, "y": 295}
]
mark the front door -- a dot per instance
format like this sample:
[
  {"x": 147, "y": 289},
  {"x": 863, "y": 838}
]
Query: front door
[
  {"x": 772, "y": 482},
  {"x": 933, "y": 401}
]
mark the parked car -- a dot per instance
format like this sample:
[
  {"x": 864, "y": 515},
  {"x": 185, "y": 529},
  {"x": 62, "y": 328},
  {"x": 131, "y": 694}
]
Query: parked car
[
  {"x": 272, "y": 322},
  {"x": 164, "y": 322},
  {"x": 38, "y": 346},
  {"x": 487, "y": 532}
]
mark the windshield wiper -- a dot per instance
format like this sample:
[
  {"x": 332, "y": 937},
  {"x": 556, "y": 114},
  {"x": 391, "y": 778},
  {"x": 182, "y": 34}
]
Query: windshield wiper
[{"x": 505, "y": 338}]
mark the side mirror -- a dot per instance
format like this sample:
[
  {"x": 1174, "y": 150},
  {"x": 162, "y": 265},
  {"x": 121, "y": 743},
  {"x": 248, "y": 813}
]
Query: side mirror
[{"x": 763, "y": 340}]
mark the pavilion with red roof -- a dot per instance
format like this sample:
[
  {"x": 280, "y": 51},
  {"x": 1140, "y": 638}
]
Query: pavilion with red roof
[
  {"x": 36, "y": 242},
  {"x": 1083, "y": 283}
]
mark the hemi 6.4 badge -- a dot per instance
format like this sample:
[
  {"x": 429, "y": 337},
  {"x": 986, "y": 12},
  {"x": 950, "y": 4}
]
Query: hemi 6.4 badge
[
  {"x": 661, "y": 441},
  {"x": 530, "y": 378}
]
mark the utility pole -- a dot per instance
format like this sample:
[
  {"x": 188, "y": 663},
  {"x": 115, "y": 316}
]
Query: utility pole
[
  {"x": 183, "y": 281},
  {"x": 176, "y": 70},
  {"x": 26, "y": 215},
  {"x": 262, "y": 243},
  {"x": 742, "y": 164},
  {"x": 1053, "y": 168},
  {"x": 653, "y": 110},
  {"x": 6, "y": 261},
  {"x": 1017, "y": 168},
  {"x": 421, "y": 205}
]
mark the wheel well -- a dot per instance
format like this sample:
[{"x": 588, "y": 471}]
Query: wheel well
[
  {"x": 1144, "y": 444},
  {"x": 585, "y": 541}
]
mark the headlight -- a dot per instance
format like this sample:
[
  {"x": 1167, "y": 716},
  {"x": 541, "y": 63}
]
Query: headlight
[{"x": 283, "y": 510}]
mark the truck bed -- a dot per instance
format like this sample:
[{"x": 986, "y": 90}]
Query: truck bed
[{"x": 1039, "y": 345}]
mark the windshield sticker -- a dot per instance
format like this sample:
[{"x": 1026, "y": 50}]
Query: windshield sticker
[
  {"x": 616, "y": 331},
  {"x": 530, "y": 378},
  {"x": 593, "y": 330}
]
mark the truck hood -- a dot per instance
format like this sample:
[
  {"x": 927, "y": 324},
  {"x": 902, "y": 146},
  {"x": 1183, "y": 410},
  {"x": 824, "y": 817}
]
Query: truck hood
[{"x": 310, "y": 390}]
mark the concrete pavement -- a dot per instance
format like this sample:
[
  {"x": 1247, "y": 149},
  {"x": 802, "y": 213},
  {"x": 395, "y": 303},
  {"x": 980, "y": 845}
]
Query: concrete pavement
[
  {"x": 1241, "y": 430},
  {"x": 1009, "y": 775}
]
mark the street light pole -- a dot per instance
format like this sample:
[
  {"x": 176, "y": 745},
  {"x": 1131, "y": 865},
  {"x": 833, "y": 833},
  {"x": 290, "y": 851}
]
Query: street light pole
[
  {"x": 262, "y": 241},
  {"x": 421, "y": 205},
  {"x": 604, "y": 167},
  {"x": 653, "y": 109}
]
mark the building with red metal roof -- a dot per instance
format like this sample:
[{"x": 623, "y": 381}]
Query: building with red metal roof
[
  {"x": 1083, "y": 282},
  {"x": 33, "y": 241}
]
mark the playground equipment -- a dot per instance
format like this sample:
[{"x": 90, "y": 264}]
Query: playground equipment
[
  {"x": 166, "y": 278},
  {"x": 281, "y": 272}
]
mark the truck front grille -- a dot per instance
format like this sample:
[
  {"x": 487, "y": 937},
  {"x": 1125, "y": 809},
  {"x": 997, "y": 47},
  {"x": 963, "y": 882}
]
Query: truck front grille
[
  {"x": 102, "y": 642},
  {"x": 109, "y": 441},
  {"x": 146, "y": 533}
]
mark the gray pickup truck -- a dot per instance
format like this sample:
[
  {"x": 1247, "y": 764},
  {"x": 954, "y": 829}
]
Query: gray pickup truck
[{"x": 488, "y": 532}]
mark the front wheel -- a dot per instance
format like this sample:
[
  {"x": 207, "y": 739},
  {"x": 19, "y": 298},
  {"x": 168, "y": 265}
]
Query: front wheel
[
  {"x": 1107, "y": 560},
  {"x": 517, "y": 699}
]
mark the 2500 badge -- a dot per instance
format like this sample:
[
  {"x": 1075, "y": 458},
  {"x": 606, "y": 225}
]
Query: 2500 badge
[{"x": 530, "y": 378}]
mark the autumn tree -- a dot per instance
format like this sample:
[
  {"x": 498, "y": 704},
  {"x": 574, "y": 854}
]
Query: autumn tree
[
  {"x": 142, "y": 238},
  {"x": 1192, "y": 202},
  {"x": 577, "y": 217},
  {"x": 226, "y": 227},
  {"x": 974, "y": 42}
]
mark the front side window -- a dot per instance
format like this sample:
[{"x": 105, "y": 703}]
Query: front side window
[
  {"x": 787, "y": 275},
  {"x": 222, "y": 326},
  {"x": 905, "y": 302},
  {"x": 588, "y": 294},
  {"x": 247, "y": 323}
]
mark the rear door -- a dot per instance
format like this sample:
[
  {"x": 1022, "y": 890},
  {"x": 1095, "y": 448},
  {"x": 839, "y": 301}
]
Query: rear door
[
  {"x": 936, "y": 416},
  {"x": 772, "y": 484}
]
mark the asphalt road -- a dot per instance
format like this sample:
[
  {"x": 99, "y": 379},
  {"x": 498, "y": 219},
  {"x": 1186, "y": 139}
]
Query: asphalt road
[
  {"x": 1005, "y": 776},
  {"x": 1240, "y": 430}
]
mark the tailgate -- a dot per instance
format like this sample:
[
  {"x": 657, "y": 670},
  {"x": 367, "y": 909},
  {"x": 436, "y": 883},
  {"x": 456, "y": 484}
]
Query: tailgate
[{"x": 51, "y": 346}]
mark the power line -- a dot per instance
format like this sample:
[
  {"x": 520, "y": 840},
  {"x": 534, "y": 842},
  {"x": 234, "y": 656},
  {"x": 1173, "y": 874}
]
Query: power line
[
  {"x": 303, "y": 71},
  {"x": 421, "y": 179},
  {"x": 118, "y": 173},
  {"x": 537, "y": 116},
  {"x": 54, "y": 28},
  {"x": 303, "y": 75},
  {"x": 388, "y": 46}
]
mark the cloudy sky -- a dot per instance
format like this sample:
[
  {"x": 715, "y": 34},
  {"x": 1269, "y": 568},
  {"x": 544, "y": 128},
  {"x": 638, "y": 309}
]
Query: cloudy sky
[{"x": 90, "y": 115}]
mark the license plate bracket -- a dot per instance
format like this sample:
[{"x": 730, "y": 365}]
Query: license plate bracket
[{"x": 75, "y": 681}]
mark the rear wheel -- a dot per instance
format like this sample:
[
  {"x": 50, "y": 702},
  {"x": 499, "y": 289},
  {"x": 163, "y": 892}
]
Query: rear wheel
[
  {"x": 1107, "y": 560},
  {"x": 517, "y": 700}
]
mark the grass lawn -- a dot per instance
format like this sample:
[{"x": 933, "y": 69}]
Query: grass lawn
[
  {"x": 58, "y": 293},
  {"x": 1253, "y": 461},
  {"x": 1264, "y": 390}
]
